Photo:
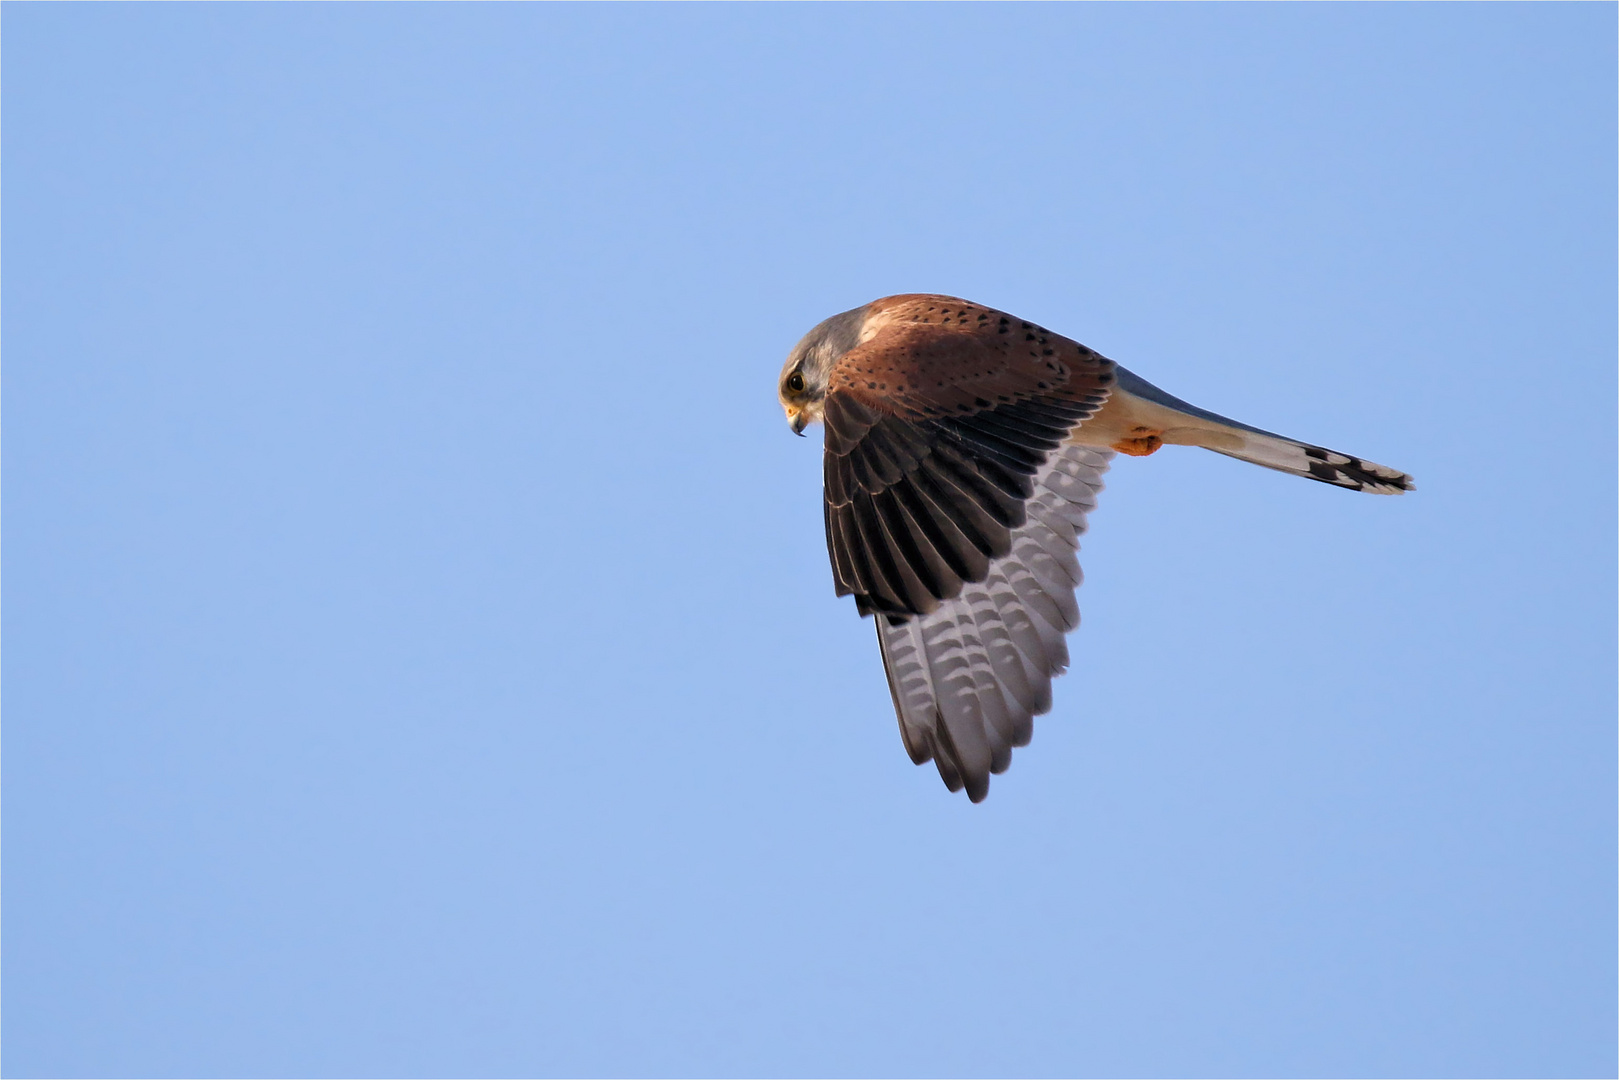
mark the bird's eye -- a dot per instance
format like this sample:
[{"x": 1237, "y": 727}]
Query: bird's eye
[{"x": 795, "y": 382}]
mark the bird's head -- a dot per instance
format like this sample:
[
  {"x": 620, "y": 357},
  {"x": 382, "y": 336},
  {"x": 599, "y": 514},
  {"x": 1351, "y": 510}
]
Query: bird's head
[{"x": 808, "y": 370}]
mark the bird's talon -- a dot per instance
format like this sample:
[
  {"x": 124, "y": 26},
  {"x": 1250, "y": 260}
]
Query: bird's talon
[{"x": 1139, "y": 446}]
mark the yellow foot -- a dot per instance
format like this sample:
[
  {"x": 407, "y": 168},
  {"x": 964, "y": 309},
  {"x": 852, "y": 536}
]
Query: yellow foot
[{"x": 1142, "y": 441}]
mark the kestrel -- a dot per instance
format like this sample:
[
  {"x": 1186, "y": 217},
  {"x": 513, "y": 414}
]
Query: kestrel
[{"x": 964, "y": 448}]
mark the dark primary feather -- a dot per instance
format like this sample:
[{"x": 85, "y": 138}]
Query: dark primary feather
[{"x": 916, "y": 507}]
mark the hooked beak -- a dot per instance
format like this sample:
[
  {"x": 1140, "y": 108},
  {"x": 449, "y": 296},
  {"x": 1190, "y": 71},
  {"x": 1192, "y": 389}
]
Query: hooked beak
[{"x": 798, "y": 420}]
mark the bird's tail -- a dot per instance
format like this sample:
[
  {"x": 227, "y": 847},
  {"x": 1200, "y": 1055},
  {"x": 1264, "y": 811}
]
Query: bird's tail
[
  {"x": 1315, "y": 462},
  {"x": 1234, "y": 439}
]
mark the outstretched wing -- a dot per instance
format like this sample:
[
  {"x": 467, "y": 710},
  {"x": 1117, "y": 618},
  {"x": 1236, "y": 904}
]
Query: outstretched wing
[
  {"x": 969, "y": 677},
  {"x": 937, "y": 424}
]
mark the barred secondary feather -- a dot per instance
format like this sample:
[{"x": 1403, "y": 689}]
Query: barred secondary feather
[{"x": 969, "y": 677}]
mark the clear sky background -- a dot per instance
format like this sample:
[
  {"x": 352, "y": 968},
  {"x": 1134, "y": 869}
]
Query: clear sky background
[{"x": 420, "y": 650}]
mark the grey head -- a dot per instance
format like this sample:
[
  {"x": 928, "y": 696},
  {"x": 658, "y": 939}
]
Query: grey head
[{"x": 808, "y": 368}]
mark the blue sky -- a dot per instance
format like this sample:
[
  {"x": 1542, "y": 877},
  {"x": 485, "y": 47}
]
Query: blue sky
[{"x": 420, "y": 650}]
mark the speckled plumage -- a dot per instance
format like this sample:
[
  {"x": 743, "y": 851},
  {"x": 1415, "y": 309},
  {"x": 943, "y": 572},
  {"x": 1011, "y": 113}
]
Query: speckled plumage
[{"x": 964, "y": 447}]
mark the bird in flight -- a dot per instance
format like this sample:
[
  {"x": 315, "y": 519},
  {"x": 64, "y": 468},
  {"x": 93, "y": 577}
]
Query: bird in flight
[{"x": 964, "y": 447}]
